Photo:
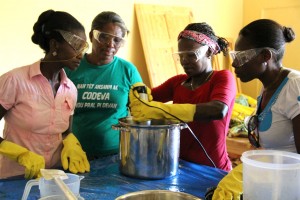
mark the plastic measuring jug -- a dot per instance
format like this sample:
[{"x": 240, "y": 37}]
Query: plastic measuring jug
[{"x": 49, "y": 187}]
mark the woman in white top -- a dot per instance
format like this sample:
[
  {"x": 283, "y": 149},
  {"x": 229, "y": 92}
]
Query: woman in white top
[{"x": 258, "y": 54}]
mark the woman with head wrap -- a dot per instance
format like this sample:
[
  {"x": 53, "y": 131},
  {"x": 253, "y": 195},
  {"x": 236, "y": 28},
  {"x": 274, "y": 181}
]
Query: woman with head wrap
[{"x": 203, "y": 97}]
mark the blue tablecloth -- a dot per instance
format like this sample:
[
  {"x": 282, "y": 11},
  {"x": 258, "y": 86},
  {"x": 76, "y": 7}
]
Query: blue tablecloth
[{"x": 105, "y": 182}]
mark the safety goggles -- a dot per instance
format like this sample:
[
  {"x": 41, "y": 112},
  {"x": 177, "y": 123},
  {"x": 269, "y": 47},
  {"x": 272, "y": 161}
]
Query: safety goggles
[
  {"x": 242, "y": 57},
  {"x": 253, "y": 135},
  {"x": 76, "y": 42},
  {"x": 191, "y": 56},
  {"x": 106, "y": 38}
]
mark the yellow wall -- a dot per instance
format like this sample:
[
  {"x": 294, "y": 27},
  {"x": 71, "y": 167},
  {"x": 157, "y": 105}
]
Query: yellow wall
[
  {"x": 220, "y": 16},
  {"x": 285, "y": 12},
  {"x": 18, "y": 16},
  {"x": 17, "y": 19}
]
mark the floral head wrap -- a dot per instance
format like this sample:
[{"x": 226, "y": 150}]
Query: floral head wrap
[{"x": 201, "y": 39}]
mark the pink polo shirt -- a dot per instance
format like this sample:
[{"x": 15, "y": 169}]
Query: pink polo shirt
[{"x": 34, "y": 118}]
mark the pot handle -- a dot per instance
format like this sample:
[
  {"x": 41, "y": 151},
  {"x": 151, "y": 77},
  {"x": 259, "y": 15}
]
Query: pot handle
[
  {"x": 119, "y": 127},
  {"x": 183, "y": 126},
  {"x": 28, "y": 186}
]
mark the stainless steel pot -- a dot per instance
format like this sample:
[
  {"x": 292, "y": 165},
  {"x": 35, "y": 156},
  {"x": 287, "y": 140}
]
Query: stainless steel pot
[
  {"x": 157, "y": 194},
  {"x": 149, "y": 150}
]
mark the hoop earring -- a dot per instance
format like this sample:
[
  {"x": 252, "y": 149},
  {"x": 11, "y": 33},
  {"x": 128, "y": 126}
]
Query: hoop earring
[{"x": 54, "y": 53}]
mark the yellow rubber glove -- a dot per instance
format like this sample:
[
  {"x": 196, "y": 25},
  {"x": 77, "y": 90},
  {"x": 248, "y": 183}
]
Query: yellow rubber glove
[
  {"x": 135, "y": 94},
  {"x": 30, "y": 160},
  {"x": 143, "y": 110},
  {"x": 73, "y": 157},
  {"x": 231, "y": 186}
]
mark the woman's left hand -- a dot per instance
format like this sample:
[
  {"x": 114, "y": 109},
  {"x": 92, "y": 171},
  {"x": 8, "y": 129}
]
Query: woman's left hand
[{"x": 73, "y": 157}]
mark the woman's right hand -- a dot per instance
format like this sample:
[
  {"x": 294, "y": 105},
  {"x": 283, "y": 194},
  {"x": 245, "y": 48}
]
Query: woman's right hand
[
  {"x": 32, "y": 163},
  {"x": 30, "y": 160},
  {"x": 134, "y": 94}
]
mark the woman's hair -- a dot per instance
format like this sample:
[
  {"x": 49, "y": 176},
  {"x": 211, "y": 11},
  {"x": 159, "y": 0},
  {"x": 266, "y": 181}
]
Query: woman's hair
[
  {"x": 109, "y": 17},
  {"x": 268, "y": 33},
  {"x": 48, "y": 22},
  {"x": 206, "y": 29}
]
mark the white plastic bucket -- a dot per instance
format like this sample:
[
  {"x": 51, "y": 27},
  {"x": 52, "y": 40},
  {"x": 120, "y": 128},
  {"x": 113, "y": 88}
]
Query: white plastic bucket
[{"x": 270, "y": 174}]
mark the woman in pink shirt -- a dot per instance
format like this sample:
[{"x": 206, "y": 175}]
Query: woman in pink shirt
[{"x": 37, "y": 102}]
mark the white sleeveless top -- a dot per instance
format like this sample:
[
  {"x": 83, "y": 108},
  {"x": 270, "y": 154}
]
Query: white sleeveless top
[{"x": 275, "y": 121}]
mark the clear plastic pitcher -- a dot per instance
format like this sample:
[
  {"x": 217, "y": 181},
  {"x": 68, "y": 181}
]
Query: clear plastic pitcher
[
  {"x": 270, "y": 174},
  {"x": 49, "y": 187}
]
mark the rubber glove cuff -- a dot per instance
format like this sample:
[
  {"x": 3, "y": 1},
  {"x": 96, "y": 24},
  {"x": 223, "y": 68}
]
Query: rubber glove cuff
[
  {"x": 11, "y": 150},
  {"x": 142, "y": 111},
  {"x": 231, "y": 186},
  {"x": 30, "y": 160}
]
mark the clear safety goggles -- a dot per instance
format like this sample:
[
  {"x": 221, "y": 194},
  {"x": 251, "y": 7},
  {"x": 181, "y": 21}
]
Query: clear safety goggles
[
  {"x": 76, "y": 42},
  {"x": 106, "y": 38},
  {"x": 191, "y": 56},
  {"x": 242, "y": 57}
]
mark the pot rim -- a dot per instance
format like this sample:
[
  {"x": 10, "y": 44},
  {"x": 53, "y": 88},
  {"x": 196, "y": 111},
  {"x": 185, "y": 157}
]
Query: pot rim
[
  {"x": 151, "y": 124},
  {"x": 181, "y": 194}
]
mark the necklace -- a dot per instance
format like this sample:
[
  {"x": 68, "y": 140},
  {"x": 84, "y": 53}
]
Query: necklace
[
  {"x": 275, "y": 81},
  {"x": 207, "y": 78}
]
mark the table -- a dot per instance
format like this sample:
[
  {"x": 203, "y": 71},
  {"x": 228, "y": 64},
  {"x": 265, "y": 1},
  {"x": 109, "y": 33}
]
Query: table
[
  {"x": 105, "y": 182},
  {"x": 236, "y": 146}
]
